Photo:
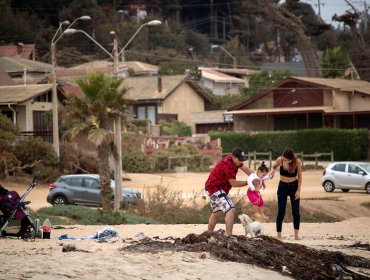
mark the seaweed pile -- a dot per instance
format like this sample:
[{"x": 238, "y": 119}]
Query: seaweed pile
[{"x": 292, "y": 260}]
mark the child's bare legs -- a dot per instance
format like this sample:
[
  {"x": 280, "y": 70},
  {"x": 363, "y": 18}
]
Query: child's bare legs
[
  {"x": 257, "y": 212},
  {"x": 265, "y": 218}
]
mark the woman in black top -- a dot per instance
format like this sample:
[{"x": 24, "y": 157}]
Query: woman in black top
[{"x": 289, "y": 185}]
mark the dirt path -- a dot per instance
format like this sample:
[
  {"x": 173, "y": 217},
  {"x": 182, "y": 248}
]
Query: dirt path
[{"x": 314, "y": 198}]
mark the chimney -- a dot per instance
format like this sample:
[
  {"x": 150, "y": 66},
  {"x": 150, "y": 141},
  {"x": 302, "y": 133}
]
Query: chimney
[
  {"x": 19, "y": 48},
  {"x": 159, "y": 83}
]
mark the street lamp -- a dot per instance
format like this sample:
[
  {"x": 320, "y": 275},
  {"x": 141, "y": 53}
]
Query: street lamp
[
  {"x": 150, "y": 23},
  {"x": 118, "y": 124},
  {"x": 55, "y": 39},
  {"x": 228, "y": 53}
]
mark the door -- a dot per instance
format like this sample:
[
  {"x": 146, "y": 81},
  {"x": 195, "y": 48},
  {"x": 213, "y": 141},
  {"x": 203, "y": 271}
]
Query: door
[
  {"x": 355, "y": 180},
  {"x": 42, "y": 125},
  {"x": 339, "y": 174},
  {"x": 76, "y": 189},
  {"x": 92, "y": 191}
]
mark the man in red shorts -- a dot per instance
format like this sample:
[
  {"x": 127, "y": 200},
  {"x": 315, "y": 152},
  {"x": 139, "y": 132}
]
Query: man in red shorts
[{"x": 221, "y": 179}]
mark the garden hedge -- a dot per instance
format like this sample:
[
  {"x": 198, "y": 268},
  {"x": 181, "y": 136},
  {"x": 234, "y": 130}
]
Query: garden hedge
[{"x": 347, "y": 144}]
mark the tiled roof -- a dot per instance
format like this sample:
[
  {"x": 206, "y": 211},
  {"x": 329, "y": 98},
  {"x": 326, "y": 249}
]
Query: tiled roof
[
  {"x": 272, "y": 111},
  {"x": 21, "y": 50},
  {"x": 18, "y": 94},
  {"x": 17, "y": 64},
  {"x": 5, "y": 79},
  {"x": 146, "y": 88},
  {"x": 134, "y": 67},
  {"x": 341, "y": 84},
  {"x": 238, "y": 71},
  {"x": 71, "y": 90},
  {"x": 138, "y": 67},
  {"x": 218, "y": 77}
]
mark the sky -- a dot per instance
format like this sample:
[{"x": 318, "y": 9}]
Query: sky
[{"x": 330, "y": 7}]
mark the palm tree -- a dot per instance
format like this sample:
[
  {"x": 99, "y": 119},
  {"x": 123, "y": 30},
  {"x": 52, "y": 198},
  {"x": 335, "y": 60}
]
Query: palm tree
[
  {"x": 335, "y": 62},
  {"x": 93, "y": 115}
]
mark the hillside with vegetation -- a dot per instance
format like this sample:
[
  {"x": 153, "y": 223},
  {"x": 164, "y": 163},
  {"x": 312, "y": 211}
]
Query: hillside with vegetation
[{"x": 253, "y": 32}]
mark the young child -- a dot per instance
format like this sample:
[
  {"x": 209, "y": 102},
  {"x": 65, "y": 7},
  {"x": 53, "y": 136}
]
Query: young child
[{"x": 255, "y": 183}]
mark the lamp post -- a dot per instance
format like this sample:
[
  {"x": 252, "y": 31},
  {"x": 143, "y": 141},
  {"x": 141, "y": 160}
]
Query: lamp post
[
  {"x": 150, "y": 23},
  {"x": 227, "y": 52},
  {"x": 118, "y": 124},
  {"x": 55, "y": 39}
]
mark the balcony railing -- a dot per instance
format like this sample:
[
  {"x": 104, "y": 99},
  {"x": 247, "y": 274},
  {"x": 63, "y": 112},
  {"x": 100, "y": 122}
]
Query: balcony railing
[{"x": 46, "y": 135}]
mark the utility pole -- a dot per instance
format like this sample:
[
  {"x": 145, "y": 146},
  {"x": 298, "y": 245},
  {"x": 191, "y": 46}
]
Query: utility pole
[
  {"x": 118, "y": 136},
  {"x": 54, "y": 100},
  {"x": 365, "y": 16},
  {"x": 211, "y": 31},
  {"x": 319, "y": 7}
]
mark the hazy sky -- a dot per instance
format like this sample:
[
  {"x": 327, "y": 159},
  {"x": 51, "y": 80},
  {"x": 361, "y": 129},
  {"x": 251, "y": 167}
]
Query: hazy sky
[{"x": 329, "y": 7}]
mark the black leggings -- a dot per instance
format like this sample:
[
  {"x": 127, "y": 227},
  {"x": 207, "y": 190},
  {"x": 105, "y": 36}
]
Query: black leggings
[{"x": 285, "y": 190}]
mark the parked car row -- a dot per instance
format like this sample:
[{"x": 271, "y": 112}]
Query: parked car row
[
  {"x": 84, "y": 189},
  {"x": 346, "y": 176}
]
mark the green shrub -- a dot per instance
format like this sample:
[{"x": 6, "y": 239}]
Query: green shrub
[
  {"x": 31, "y": 150},
  {"x": 8, "y": 131},
  {"x": 136, "y": 161},
  {"x": 175, "y": 127},
  {"x": 166, "y": 206},
  {"x": 138, "y": 125},
  {"x": 76, "y": 214},
  {"x": 347, "y": 144},
  {"x": 162, "y": 205},
  {"x": 180, "y": 68},
  {"x": 184, "y": 155},
  {"x": 75, "y": 161}
]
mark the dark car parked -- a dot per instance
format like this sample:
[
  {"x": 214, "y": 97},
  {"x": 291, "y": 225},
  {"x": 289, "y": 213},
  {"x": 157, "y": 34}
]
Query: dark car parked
[{"x": 84, "y": 189}]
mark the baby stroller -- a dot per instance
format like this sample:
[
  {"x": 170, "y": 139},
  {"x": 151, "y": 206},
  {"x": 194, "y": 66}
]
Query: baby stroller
[{"x": 15, "y": 214}]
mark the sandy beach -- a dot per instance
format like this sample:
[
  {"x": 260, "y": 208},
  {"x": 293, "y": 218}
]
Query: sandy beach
[{"x": 90, "y": 259}]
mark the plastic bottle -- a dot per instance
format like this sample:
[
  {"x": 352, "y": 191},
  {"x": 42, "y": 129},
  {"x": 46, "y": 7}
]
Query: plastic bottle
[{"x": 46, "y": 229}]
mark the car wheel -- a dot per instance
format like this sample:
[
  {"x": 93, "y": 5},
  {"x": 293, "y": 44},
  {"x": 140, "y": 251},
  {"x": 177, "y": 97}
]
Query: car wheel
[
  {"x": 345, "y": 190},
  {"x": 329, "y": 186},
  {"x": 59, "y": 200},
  {"x": 367, "y": 188}
]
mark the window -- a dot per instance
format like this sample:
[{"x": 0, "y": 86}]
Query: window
[
  {"x": 339, "y": 167},
  {"x": 353, "y": 169},
  {"x": 46, "y": 97},
  {"x": 91, "y": 183},
  {"x": 147, "y": 112},
  {"x": 76, "y": 182}
]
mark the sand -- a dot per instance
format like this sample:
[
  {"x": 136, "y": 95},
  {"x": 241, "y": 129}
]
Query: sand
[{"x": 44, "y": 259}]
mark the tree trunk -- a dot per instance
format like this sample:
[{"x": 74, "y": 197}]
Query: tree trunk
[
  {"x": 105, "y": 176},
  {"x": 289, "y": 21}
]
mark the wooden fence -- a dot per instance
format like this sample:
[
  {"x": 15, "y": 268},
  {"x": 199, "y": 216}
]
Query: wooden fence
[
  {"x": 267, "y": 156},
  {"x": 316, "y": 156},
  {"x": 252, "y": 157}
]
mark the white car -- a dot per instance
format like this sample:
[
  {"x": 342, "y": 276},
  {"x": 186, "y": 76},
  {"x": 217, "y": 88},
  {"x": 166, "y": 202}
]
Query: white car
[{"x": 349, "y": 175}]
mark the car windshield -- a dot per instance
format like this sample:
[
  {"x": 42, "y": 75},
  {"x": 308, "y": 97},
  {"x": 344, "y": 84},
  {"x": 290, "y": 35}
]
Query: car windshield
[{"x": 365, "y": 166}]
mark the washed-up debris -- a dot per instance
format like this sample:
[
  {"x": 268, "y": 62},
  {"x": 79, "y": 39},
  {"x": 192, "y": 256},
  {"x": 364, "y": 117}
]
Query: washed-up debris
[{"x": 293, "y": 260}]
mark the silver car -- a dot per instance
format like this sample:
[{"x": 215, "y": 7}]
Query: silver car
[
  {"x": 84, "y": 189},
  {"x": 346, "y": 176}
]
